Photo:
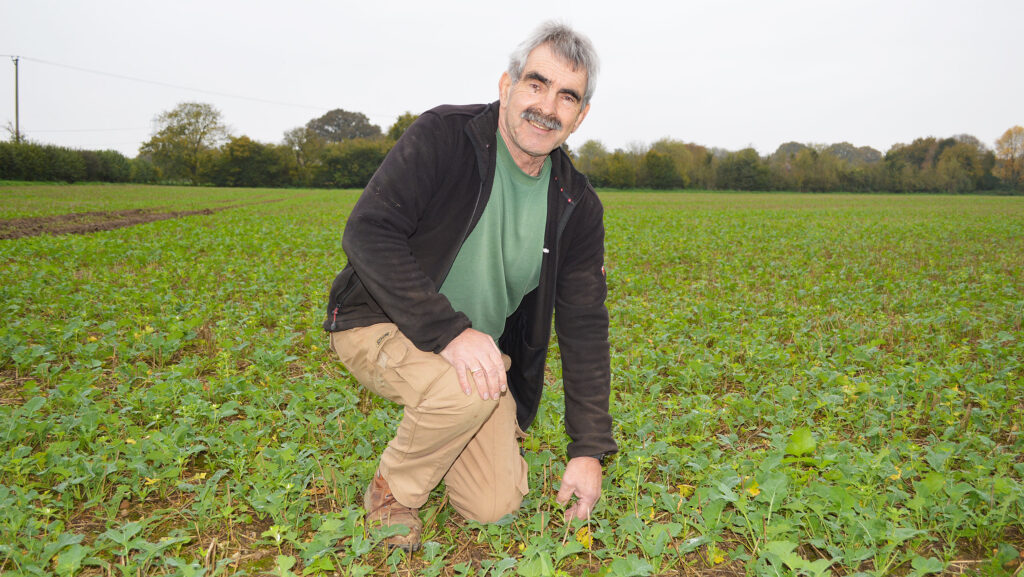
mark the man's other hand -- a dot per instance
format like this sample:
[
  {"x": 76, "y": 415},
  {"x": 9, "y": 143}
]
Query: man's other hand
[
  {"x": 474, "y": 353},
  {"x": 582, "y": 478}
]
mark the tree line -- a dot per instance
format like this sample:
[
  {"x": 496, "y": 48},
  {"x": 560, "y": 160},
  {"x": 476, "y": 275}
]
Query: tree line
[
  {"x": 342, "y": 149},
  {"x": 958, "y": 164},
  {"x": 192, "y": 145}
]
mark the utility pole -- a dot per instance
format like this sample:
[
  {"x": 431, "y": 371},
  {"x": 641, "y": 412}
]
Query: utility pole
[{"x": 17, "y": 121}]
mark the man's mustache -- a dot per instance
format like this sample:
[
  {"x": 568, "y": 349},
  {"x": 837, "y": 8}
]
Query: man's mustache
[{"x": 534, "y": 115}]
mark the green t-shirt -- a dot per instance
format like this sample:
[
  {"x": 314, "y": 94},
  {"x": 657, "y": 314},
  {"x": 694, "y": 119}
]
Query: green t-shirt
[{"x": 500, "y": 261}]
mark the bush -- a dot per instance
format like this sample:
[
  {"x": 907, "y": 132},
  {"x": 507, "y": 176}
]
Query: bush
[
  {"x": 45, "y": 162},
  {"x": 245, "y": 162},
  {"x": 350, "y": 164},
  {"x": 106, "y": 166},
  {"x": 142, "y": 170}
]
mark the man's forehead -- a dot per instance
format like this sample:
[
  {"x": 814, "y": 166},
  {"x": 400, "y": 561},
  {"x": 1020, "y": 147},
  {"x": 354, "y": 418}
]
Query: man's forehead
[{"x": 543, "y": 58}]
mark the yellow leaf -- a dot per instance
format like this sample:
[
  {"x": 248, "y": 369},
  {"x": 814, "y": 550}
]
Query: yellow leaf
[{"x": 585, "y": 537}]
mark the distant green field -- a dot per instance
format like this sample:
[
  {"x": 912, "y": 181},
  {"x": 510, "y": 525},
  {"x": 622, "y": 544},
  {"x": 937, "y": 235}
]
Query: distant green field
[
  {"x": 803, "y": 385},
  {"x": 53, "y": 199}
]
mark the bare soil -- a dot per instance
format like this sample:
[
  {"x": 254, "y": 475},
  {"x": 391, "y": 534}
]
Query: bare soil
[{"x": 87, "y": 222}]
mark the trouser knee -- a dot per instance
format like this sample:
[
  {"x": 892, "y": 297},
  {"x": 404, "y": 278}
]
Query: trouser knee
[
  {"x": 490, "y": 510},
  {"x": 469, "y": 410}
]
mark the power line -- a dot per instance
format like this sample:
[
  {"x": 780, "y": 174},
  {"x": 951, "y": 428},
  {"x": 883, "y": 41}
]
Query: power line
[
  {"x": 175, "y": 86},
  {"x": 374, "y": 115},
  {"x": 155, "y": 83},
  {"x": 90, "y": 129}
]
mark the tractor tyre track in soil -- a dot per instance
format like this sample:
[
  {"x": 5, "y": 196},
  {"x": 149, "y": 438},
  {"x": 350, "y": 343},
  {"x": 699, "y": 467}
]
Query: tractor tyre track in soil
[{"x": 88, "y": 222}]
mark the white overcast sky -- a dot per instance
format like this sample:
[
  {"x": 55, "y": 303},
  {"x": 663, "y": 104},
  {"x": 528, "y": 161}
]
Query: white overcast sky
[{"x": 722, "y": 73}]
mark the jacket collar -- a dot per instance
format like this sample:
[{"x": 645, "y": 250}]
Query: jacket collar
[{"x": 482, "y": 130}]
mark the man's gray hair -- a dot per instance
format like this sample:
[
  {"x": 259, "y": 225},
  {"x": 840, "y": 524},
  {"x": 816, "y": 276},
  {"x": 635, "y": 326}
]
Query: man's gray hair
[{"x": 566, "y": 43}]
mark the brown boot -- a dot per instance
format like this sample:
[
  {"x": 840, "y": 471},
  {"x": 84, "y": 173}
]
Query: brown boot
[{"x": 383, "y": 510}]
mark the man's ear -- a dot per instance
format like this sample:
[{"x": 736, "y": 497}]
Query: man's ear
[
  {"x": 579, "y": 119},
  {"x": 504, "y": 85}
]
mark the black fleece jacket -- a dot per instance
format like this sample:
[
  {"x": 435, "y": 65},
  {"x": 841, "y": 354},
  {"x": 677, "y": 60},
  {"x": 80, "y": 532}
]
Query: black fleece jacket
[{"x": 409, "y": 224}]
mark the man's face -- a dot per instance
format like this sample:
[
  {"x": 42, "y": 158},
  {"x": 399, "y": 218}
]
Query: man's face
[{"x": 541, "y": 110}]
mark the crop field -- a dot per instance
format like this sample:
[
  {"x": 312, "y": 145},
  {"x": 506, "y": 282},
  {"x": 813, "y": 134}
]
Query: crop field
[{"x": 802, "y": 385}]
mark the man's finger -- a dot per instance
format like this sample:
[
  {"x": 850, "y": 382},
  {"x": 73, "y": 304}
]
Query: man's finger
[
  {"x": 460, "y": 372},
  {"x": 500, "y": 371},
  {"x": 489, "y": 378},
  {"x": 475, "y": 353},
  {"x": 579, "y": 510},
  {"x": 564, "y": 494},
  {"x": 495, "y": 376},
  {"x": 481, "y": 378},
  {"x": 582, "y": 509}
]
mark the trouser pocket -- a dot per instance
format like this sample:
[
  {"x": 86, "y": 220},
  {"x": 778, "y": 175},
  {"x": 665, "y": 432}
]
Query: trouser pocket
[{"x": 387, "y": 363}]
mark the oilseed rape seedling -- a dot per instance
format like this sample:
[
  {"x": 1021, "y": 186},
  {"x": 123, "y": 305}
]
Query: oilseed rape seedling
[{"x": 802, "y": 385}]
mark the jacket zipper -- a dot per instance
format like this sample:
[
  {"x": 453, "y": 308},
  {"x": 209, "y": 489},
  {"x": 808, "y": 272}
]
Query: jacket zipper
[{"x": 337, "y": 304}]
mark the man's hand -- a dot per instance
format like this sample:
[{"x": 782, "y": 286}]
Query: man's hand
[
  {"x": 475, "y": 353},
  {"x": 582, "y": 478}
]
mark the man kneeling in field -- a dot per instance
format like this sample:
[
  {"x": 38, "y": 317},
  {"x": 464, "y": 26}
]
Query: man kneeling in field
[{"x": 475, "y": 231}]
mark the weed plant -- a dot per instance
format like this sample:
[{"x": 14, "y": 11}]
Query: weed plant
[{"x": 802, "y": 385}]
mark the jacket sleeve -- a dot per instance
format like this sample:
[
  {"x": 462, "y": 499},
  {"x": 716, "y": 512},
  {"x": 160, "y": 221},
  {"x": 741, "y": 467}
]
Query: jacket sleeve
[
  {"x": 581, "y": 323},
  {"x": 376, "y": 237}
]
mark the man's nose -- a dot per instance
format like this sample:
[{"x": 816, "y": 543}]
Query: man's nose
[{"x": 549, "y": 103}]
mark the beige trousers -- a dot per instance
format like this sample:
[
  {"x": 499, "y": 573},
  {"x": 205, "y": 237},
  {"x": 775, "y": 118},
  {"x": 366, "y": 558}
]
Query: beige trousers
[{"x": 470, "y": 443}]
